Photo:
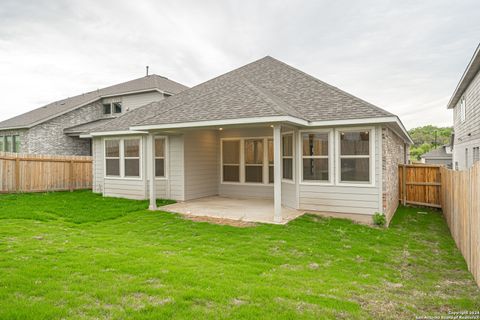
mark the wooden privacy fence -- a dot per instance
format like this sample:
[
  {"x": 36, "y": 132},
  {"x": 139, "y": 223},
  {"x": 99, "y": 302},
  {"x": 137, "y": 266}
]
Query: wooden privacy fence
[
  {"x": 420, "y": 184},
  {"x": 37, "y": 173},
  {"x": 460, "y": 199}
]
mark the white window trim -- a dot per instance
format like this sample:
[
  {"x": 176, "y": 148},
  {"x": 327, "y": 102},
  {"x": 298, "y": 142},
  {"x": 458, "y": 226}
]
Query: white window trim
[
  {"x": 265, "y": 164},
  {"x": 373, "y": 137},
  {"x": 122, "y": 158},
  {"x": 331, "y": 150},
  {"x": 165, "y": 157},
  {"x": 286, "y": 133}
]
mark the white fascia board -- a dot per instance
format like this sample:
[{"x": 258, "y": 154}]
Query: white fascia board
[
  {"x": 224, "y": 122},
  {"x": 83, "y": 136},
  {"x": 114, "y": 133},
  {"x": 289, "y": 119},
  {"x": 131, "y": 92}
]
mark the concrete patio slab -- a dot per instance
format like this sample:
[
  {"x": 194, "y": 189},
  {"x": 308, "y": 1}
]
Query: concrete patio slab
[{"x": 251, "y": 210}]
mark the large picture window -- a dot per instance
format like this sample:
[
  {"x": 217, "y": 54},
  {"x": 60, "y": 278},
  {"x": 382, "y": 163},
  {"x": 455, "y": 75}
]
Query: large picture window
[
  {"x": 231, "y": 160},
  {"x": 112, "y": 158},
  {"x": 355, "y": 156},
  {"x": 315, "y": 162},
  {"x": 131, "y": 151},
  {"x": 254, "y": 160},
  {"x": 287, "y": 156},
  {"x": 159, "y": 157}
]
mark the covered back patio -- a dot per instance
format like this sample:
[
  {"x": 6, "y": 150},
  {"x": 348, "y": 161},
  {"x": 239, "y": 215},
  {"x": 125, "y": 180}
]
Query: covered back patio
[{"x": 230, "y": 172}]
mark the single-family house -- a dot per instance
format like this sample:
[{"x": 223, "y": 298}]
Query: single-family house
[
  {"x": 263, "y": 131},
  {"x": 465, "y": 103},
  {"x": 441, "y": 155},
  {"x": 56, "y": 127}
]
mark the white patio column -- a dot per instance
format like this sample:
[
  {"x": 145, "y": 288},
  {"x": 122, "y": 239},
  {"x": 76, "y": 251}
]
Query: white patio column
[
  {"x": 277, "y": 173},
  {"x": 151, "y": 171}
]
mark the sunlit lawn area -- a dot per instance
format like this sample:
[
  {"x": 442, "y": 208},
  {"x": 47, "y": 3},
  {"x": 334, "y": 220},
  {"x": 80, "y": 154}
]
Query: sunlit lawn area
[{"x": 80, "y": 256}]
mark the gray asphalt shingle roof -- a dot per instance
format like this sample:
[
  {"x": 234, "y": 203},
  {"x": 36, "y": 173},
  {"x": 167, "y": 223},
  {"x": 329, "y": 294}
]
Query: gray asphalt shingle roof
[
  {"x": 439, "y": 153},
  {"x": 59, "y": 107},
  {"x": 266, "y": 87}
]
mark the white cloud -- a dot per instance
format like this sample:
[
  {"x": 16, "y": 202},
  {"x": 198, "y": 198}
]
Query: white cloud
[{"x": 403, "y": 56}]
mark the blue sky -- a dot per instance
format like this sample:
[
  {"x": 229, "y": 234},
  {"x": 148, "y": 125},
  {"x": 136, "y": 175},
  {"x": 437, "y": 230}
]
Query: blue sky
[{"x": 404, "y": 56}]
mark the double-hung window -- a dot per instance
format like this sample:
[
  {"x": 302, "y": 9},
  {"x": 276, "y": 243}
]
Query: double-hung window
[
  {"x": 254, "y": 160},
  {"x": 231, "y": 160},
  {"x": 355, "y": 156},
  {"x": 315, "y": 153},
  {"x": 122, "y": 157},
  {"x": 2, "y": 143},
  {"x": 131, "y": 152},
  {"x": 287, "y": 156},
  {"x": 159, "y": 157},
  {"x": 112, "y": 158}
]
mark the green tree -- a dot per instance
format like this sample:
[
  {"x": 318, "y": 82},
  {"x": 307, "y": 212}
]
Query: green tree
[{"x": 424, "y": 139}]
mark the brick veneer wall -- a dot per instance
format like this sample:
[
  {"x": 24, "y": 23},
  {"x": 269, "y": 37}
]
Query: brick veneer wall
[
  {"x": 393, "y": 151},
  {"x": 48, "y": 137}
]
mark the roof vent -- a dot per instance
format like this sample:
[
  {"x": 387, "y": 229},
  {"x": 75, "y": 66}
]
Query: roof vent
[{"x": 146, "y": 70}]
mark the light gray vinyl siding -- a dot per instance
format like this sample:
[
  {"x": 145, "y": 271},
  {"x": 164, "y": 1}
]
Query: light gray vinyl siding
[
  {"x": 162, "y": 189},
  {"x": 289, "y": 195},
  {"x": 97, "y": 151},
  {"x": 125, "y": 188},
  {"x": 133, "y": 101},
  {"x": 345, "y": 199},
  {"x": 176, "y": 167},
  {"x": 201, "y": 163},
  {"x": 246, "y": 191},
  {"x": 467, "y": 134}
]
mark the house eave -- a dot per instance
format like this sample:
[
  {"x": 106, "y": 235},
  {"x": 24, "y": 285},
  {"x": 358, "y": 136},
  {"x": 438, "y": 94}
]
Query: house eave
[
  {"x": 113, "y": 133},
  {"x": 470, "y": 72},
  {"x": 277, "y": 119}
]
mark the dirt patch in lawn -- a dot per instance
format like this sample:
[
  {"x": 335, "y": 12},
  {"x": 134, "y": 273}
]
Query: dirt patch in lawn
[{"x": 222, "y": 221}]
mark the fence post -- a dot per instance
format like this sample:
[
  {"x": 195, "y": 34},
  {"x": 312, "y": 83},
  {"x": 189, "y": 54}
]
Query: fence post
[
  {"x": 71, "y": 176},
  {"x": 17, "y": 174},
  {"x": 404, "y": 184}
]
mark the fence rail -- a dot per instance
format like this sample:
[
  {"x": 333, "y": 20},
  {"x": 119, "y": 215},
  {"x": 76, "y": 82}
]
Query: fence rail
[
  {"x": 38, "y": 173},
  {"x": 460, "y": 200},
  {"x": 420, "y": 184}
]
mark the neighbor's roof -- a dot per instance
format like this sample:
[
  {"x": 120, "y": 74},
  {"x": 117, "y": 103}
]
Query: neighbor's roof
[
  {"x": 86, "y": 127},
  {"x": 36, "y": 116},
  {"x": 439, "y": 153},
  {"x": 264, "y": 88},
  {"x": 470, "y": 72}
]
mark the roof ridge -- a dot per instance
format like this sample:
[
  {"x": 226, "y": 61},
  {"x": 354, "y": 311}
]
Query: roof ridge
[{"x": 328, "y": 85}]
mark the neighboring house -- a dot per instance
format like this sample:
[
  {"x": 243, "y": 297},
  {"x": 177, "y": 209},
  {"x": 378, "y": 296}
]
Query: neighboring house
[
  {"x": 465, "y": 103},
  {"x": 442, "y": 155},
  {"x": 265, "y": 130},
  {"x": 56, "y": 127}
]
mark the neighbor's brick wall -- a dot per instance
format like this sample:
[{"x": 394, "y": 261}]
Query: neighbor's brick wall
[
  {"x": 393, "y": 150},
  {"x": 48, "y": 137}
]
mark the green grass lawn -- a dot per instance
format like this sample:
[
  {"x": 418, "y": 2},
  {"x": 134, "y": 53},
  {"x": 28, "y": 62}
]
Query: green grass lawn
[{"x": 80, "y": 256}]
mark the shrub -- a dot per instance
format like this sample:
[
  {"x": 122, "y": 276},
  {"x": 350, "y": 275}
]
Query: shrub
[{"x": 379, "y": 219}]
